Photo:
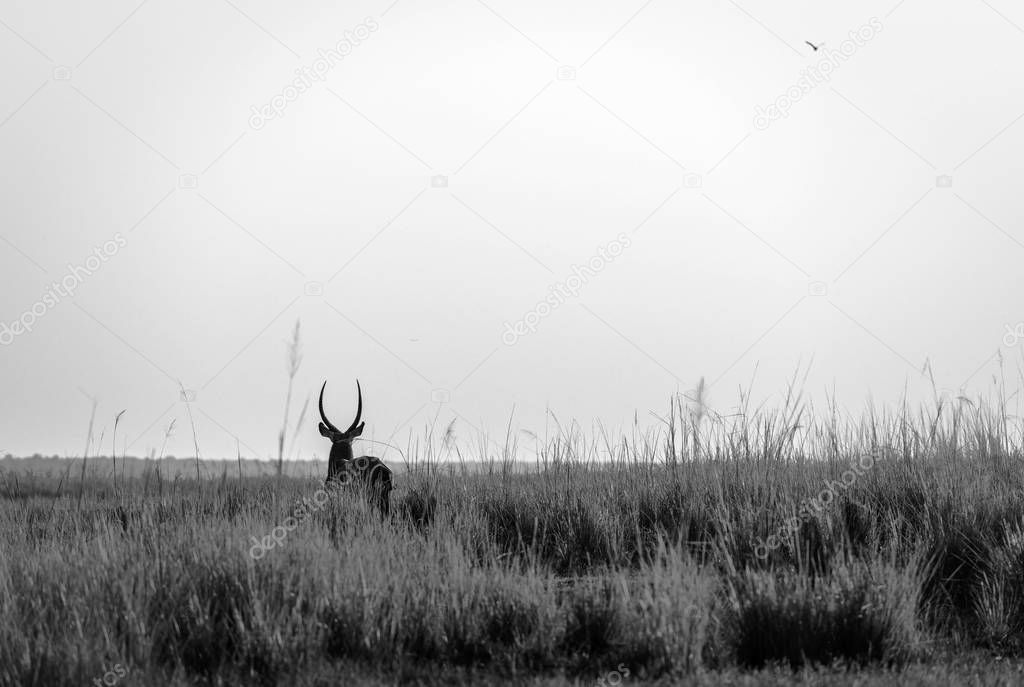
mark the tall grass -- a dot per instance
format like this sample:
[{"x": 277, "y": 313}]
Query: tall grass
[
  {"x": 294, "y": 362},
  {"x": 646, "y": 550}
]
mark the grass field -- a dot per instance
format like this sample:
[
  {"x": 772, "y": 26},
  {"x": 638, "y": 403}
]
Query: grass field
[{"x": 774, "y": 547}]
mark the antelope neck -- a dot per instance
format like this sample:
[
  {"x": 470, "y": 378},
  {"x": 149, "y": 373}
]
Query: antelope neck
[{"x": 341, "y": 450}]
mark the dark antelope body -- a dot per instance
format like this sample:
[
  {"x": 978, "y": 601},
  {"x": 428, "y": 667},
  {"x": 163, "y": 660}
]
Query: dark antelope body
[{"x": 344, "y": 468}]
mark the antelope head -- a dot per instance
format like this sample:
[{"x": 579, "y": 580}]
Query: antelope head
[{"x": 341, "y": 442}]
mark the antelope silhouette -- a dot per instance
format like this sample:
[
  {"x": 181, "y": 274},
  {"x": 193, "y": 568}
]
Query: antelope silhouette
[{"x": 344, "y": 468}]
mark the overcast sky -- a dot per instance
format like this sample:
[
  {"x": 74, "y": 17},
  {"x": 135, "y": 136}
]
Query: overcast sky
[{"x": 474, "y": 206}]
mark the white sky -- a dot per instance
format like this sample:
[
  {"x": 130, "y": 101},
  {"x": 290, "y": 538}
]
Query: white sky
[{"x": 418, "y": 282}]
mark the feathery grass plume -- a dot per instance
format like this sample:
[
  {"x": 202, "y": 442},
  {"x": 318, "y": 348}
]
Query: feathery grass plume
[
  {"x": 85, "y": 452},
  {"x": 294, "y": 361},
  {"x": 113, "y": 444},
  {"x": 168, "y": 433},
  {"x": 192, "y": 422}
]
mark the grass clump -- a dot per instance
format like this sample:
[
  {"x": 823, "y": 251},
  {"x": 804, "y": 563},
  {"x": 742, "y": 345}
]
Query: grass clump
[{"x": 857, "y": 614}]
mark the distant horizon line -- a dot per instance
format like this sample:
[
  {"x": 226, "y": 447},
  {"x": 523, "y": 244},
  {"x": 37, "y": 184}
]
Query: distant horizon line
[{"x": 9, "y": 457}]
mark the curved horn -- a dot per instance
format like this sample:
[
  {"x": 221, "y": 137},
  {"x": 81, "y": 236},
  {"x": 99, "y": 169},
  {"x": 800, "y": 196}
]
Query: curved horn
[
  {"x": 323, "y": 417},
  {"x": 359, "y": 409}
]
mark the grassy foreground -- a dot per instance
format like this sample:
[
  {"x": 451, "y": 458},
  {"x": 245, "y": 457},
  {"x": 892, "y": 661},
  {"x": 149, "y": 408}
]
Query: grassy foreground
[{"x": 765, "y": 548}]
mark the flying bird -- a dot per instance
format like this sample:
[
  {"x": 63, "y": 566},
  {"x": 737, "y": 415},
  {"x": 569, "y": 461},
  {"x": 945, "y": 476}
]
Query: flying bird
[{"x": 813, "y": 45}]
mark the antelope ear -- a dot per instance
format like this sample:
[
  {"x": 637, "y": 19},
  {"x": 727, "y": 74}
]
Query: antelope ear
[
  {"x": 358, "y": 430},
  {"x": 324, "y": 431}
]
